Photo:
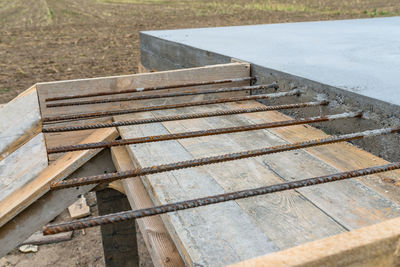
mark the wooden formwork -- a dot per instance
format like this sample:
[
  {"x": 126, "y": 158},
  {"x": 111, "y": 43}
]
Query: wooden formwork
[{"x": 219, "y": 234}]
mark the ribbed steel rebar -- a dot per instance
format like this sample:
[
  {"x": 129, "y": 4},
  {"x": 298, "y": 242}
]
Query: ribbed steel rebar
[
  {"x": 171, "y": 106},
  {"x": 182, "y": 117},
  {"x": 109, "y": 177},
  {"x": 134, "y": 90},
  {"x": 164, "y": 137},
  {"x": 155, "y": 96},
  {"x": 188, "y": 204}
]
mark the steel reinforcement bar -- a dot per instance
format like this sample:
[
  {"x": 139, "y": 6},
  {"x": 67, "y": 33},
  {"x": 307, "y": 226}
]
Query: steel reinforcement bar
[
  {"x": 155, "y": 96},
  {"x": 182, "y": 117},
  {"x": 109, "y": 177},
  {"x": 165, "y": 137},
  {"x": 170, "y": 106},
  {"x": 188, "y": 204},
  {"x": 134, "y": 90}
]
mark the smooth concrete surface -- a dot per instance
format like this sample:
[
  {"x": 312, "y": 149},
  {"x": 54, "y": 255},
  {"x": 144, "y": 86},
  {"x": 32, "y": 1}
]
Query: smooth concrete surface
[{"x": 360, "y": 56}]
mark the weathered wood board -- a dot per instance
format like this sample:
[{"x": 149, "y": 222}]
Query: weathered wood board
[
  {"x": 306, "y": 214},
  {"x": 20, "y": 121},
  {"x": 344, "y": 201},
  {"x": 22, "y": 166},
  {"x": 51, "y": 204},
  {"x": 24, "y": 196},
  {"x": 117, "y": 83},
  {"x": 211, "y": 235},
  {"x": 341, "y": 156}
]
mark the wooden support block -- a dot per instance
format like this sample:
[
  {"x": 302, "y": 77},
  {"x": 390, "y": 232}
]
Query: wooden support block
[
  {"x": 39, "y": 239},
  {"x": 162, "y": 250},
  {"x": 79, "y": 209}
]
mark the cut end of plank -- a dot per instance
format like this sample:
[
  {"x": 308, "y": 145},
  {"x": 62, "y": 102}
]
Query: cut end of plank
[{"x": 79, "y": 209}]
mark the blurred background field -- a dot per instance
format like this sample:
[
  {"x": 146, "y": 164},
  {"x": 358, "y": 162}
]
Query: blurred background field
[{"x": 47, "y": 40}]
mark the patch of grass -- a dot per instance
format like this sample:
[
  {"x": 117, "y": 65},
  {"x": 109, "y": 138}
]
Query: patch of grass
[
  {"x": 383, "y": 13},
  {"x": 4, "y": 90},
  {"x": 49, "y": 15},
  {"x": 145, "y": 2},
  {"x": 69, "y": 12},
  {"x": 277, "y": 7}
]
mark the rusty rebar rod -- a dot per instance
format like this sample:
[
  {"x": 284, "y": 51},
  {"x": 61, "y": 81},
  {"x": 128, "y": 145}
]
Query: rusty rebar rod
[
  {"x": 155, "y": 96},
  {"x": 171, "y": 106},
  {"x": 182, "y": 117},
  {"x": 188, "y": 204},
  {"x": 165, "y": 137},
  {"x": 153, "y": 88},
  {"x": 109, "y": 177}
]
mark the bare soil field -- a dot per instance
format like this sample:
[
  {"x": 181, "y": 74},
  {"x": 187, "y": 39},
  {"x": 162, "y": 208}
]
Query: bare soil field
[{"x": 48, "y": 40}]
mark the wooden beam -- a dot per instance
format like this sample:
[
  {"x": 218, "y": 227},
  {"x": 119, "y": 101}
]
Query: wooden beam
[
  {"x": 162, "y": 250},
  {"x": 375, "y": 245},
  {"x": 18, "y": 200},
  {"x": 117, "y": 83}
]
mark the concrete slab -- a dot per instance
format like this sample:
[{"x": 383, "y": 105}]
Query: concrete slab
[{"x": 360, "y": 56}]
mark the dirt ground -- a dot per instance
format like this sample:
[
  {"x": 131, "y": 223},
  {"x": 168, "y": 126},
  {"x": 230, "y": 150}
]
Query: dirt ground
[{"x": 48, "y": 40}]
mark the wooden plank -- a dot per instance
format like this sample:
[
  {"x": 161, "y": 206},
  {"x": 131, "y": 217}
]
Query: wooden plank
[
  {"x": 22, "y": 166},
  {"x": 299, "y": 214},
  {"x": 341, "y": 156},
  {"x": 20, "y": 121},
  {"x": 345, "y": 202},
  {"x": 375, "y": 245},
  {"x": 39, "y": 239},
  {"x": 69, "y": 138},
  {"x": 51, "y": 204},
  {"x": 117, "y": 83},
  {"x": 64, "y": 166},
  {"x": 217, "y": 234},
  {"x": 162, "y": 250}
]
